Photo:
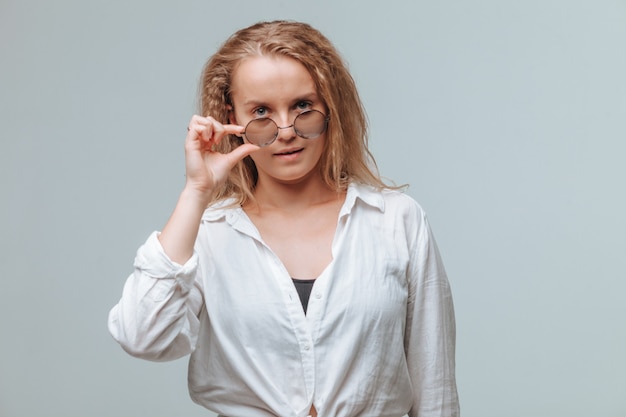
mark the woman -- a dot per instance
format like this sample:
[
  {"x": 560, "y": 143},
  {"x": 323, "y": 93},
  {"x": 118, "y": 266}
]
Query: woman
[{"x": 282, "y": 202}]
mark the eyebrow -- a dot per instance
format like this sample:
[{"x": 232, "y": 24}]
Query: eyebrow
[{"x": 311, "y": 96}]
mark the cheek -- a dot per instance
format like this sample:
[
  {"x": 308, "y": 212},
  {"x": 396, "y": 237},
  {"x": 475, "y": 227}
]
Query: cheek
[
  {"x": 322, "y": 146},
  {"x": 258, "y": 157}
]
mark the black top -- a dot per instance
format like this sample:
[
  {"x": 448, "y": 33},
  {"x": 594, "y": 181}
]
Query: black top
[{"x": 304, "y": 287}]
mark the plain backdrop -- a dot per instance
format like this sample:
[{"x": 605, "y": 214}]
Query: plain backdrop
[{"x": 507, "y": 119}]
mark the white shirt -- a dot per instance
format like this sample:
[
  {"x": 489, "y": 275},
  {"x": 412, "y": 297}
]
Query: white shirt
[{"x": 378, "y": 338}]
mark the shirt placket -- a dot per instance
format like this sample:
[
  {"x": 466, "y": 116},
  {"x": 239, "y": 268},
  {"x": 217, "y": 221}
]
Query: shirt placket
[{"x": 291, "y": 300}]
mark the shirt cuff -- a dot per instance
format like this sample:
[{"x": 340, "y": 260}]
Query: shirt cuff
[{"x": 152, "y": 260}]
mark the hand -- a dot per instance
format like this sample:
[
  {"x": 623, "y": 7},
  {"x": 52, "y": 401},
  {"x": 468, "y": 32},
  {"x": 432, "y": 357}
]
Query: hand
[{"x": 206, "y": 168}]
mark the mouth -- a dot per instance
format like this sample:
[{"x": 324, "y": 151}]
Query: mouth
[{"x": 289, "y": 152}]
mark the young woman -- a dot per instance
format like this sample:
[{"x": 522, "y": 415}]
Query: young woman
[{"x": 299, "y": 283}]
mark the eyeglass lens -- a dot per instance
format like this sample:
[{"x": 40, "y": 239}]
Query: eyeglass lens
[{"x": 308, "y": 125}]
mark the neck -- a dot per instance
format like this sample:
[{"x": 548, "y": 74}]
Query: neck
[{"x": 271, "y": 195}]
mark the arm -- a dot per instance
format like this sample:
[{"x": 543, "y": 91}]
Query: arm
[
  {"x": 430, "y": 334},
  {"x": 157, "y": 316},
  {"x": 206, "y": 170}
]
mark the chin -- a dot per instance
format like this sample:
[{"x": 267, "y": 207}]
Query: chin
[{"x": 294, "y": 178}]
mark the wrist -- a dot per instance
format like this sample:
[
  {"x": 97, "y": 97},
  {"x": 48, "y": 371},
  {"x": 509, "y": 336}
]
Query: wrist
[{"x": 195, "y": 196}]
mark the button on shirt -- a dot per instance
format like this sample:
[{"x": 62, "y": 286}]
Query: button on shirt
[{"x": 377, "y": 340}]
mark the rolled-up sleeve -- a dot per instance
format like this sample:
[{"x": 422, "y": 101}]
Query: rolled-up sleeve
[
  {"x": 430, "y": 333},
  {"x": 157, "y": 316}
]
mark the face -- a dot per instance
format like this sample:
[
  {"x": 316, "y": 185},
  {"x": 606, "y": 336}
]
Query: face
[{"x": 278, "y": 88}]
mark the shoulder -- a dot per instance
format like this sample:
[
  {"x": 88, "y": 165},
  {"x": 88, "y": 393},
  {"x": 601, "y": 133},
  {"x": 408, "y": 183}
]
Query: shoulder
[
  {"x": 398, "y": 200},
  {"x": 387, "y": 209},
  {"x": 220, "y": 210},
  {"x": 388, "y": 201}
]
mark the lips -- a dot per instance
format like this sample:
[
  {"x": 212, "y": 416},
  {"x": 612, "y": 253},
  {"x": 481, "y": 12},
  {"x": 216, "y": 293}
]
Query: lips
[{"x": 289, "y": 151}]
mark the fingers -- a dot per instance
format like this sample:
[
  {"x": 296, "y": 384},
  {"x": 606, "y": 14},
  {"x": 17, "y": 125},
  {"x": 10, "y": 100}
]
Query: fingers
[
  {"x": 207, "y": 167},
  {"x": 205, "y": 132},
  {"x": 241, "y": 152},
  {"x": 209, "y": 131}
]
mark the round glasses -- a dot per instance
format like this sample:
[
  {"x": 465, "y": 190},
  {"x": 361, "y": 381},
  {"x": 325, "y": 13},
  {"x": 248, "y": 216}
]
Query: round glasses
[{"x": 308, "y": 125}]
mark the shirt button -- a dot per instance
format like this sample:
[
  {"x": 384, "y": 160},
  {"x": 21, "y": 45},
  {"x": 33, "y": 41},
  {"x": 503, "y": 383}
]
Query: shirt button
[
  {"x": 318, "y": 295},
  {"x": 307, "y": 347}
]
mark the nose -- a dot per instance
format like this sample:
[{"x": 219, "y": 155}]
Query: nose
[{"x": 286, "y": 132}]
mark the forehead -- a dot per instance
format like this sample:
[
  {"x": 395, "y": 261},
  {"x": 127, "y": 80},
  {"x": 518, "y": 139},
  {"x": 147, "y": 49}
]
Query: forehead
[{"x": 276, "y": 77}]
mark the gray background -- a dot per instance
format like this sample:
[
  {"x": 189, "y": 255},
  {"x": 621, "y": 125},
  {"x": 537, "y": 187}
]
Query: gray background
[{"x": 508, "y": 119}]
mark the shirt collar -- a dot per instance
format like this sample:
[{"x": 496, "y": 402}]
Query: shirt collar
[
  {"x": 365, "y": 193},
  {"x": 219, "y": 210},
  {"x": 234, "y": 216}
]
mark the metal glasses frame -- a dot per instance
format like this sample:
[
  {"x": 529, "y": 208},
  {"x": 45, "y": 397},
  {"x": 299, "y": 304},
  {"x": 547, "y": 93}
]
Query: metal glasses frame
[{"x": 295, "y": 128}]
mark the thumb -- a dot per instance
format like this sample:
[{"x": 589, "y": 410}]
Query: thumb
[{"x": 241, "y": 152}]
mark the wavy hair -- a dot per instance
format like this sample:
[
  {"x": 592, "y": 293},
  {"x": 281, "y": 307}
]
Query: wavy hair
[{"x": 346, "y": 156}]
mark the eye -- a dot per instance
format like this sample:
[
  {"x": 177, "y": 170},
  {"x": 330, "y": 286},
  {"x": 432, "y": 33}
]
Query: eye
[
  {"x": 303, "y": 105},
  {"x": 260, "y": 112}
]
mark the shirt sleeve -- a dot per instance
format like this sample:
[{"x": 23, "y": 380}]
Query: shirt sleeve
[
  {"x": 430, "y": 335},
  {"x": 157, "y": 316}
]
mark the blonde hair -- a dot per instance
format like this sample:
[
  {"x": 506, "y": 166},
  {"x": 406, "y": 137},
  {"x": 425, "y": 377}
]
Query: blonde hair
[{"x": 346, "y": 157}]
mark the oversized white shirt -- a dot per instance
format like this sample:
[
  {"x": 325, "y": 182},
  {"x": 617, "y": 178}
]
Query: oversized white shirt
[{"x": 378, "y": 338}]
